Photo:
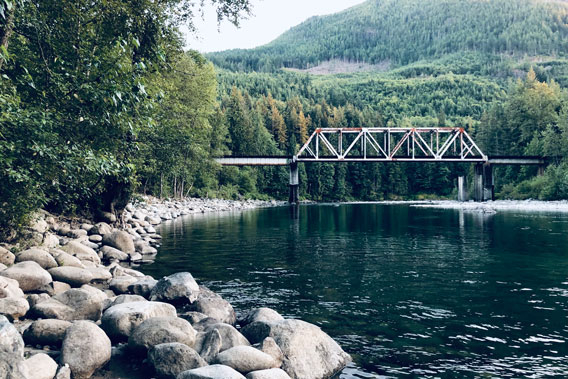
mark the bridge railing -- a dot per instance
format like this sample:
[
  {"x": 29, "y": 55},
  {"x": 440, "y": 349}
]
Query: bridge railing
[{"x": 390, "y": 144}]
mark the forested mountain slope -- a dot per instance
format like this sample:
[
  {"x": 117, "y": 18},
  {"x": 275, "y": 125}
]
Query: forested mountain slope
[{"x": 405, "y": 31}]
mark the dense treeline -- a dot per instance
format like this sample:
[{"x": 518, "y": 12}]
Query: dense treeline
[
  {"x": 405, "y": 31},
  {"x": 96, "y": 98}
]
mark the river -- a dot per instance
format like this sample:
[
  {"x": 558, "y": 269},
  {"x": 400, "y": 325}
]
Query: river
[{"x": 404, "y": 290}]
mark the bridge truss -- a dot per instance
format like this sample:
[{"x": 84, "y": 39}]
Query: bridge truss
[{"x": 390, "y": 144}]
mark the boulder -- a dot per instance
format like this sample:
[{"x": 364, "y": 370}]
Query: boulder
[
  {"x": 64, "y": 372},
  {"x": 74, "y": 304},
  {"x": 110, "y": 254},
  {"x": 6, "y": 257},
  {"x": 270, "y": 347},
  {"x": 10, "y": 288},
  {"x": 194, "y": 317},
  {"x": 12, "y": 367},
  {"x": 100, "y": 274},
  {"x": 120, "y": 320},
  {"x": 261, "y": 314},
  {"x": 64, "y": 259},
  {"x": 121, "y": 299},
  {"x": 35, "y": 298},
  {"x": 143, "y": 248},
  {"x": 120, "y": 284},
  {"x": 39, "y": 225},
  {"x": 308, "y": 351},
  {"x": 46, "y": 332},
  {"x": 82, "y": 252},
  {"x": 41, "y": 366},
  {"x": 245, "y": 359},
  {"x": 176, "y": 288},
  {"x": 101, "y": 228},
  {"x": 157, "y": 330},
  {"x": 60, "y": 287},
  {"x": 213, "y": 305},
  {"x": 143, "y": 287},
  {"x": 211, "y": 372},
  {"x": 41, "y": 257},
  {"x": 14, "y": 307},
  {"x": 86, "y": 348},
  {"x": 95, "y": 238},
  {"x": 230, "y": 337},
  {"x": 90, "y": 244},
  {"x": 170, "y": 359},
  {"x": 107, "y": 216},
  {"x": 209, "y": 345},
  {"x": 77, "y": 233},
  {"x": 73, "y": 276},
  {"x": 273, "y": 373},
  {"x": 29, "y": 275},
  {"x": 3, "y": 267},
  {"x": 50, "y": 241},
  {"x": 11, "y": 341},
  {"x": 120, "y": 240}
]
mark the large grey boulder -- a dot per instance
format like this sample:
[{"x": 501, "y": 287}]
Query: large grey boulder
[
  {"x": 213, "y": 305},
  {"x": 101, "y": 228},
  {"x": 119, "y": 321},
  {"x": 73, "y": 276},
  {"x": 6, "y": 257},
  {"x": 211, "y": 372},
  {"x": 46, "y": 332},
  {"x": 30, "y": 275},
  {"x": 120, "y": 283},
  {"x": 65, "y": 259},
  {"x": 120, "y": 240},
  {"x": 113, "y": 254},
  {"x": 245, "y": 359},
  {"x": 308, "y": 351},
  {"x": 176, "y": 288},
  {"x": 170, "y": 359},
  {"x": 143, "y": 287},
  {"x": 270, "y": 347},
  {"x": 74, "y": 304},
  {"x": 209, "y": 345},
  {"x": 41, "y": 366},
  {"x": 121, "y": 299},
  {"x": 10, "y": 288},
  {"x": 41, "y": 257},
  {"x": 82, "y": 252},
  {"x": 14, "y": 307},
  {"x": 11, "y": 341},
  {"x": 100, "y": 274},
  {"x": 261, "y": 314},
  {"x": 229, "y": 337},
  {"x": 157, "y": 330},
  {"x": 273, "y": 373},
  {"x": 86, "y": 348}
]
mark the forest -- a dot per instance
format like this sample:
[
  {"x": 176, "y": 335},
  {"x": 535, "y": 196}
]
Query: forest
[{"x": 100, "y": 102}]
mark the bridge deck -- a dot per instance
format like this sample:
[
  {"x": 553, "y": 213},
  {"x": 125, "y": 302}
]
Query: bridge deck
[{"x": 283, "y": 160}]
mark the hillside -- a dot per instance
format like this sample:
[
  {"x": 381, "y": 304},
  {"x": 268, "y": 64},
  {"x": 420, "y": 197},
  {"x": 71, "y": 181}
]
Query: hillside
[{"x": 401, "y": 32}]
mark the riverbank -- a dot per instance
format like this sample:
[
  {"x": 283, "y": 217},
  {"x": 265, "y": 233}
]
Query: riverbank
[
  {"x": 71, "y": 303},
  {"x": 498, "y": 205}
]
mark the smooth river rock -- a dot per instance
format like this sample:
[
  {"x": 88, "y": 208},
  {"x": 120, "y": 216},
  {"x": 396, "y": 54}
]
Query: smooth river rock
[
  {"x": 82, "y": 252},
  {"x": 119, "y": 321},
  {"x": 41, "y": 366},
  {"x": 65, "y": 259},
  {"x": 273, "y": 373},
  {"x": 211, "y": 372},
  {"x": 170, "y": 359},
  {"x": 41, "y": 257},
  {"x": 6, "y": 257},
  {"x": 176, "y": 288},
  {"x": 30, "y": 275},
  {"x": 245, "y": 359},
  {"x": 213, "y": 305},
  {"x": 73, "y": 276},
  {"x": 261, "y": 314},
  {"x": 308, "y": 352},
  {"x": 46, "y": 332},
  {"x": 120, "y": 240},
  {"x": 74, "y": 304},
  {"x": 158, "y": 330},
  {"x": 86, "y": 348}
]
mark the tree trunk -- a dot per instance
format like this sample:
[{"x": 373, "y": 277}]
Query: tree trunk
[
  {"x": 7, "y": 31},
  {"x": 161, "y": 185}
]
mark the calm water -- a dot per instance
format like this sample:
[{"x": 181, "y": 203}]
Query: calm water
[{"x": 404, "y": 290}]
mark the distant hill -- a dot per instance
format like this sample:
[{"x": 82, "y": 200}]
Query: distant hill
[{"x": 395, "y": 33}]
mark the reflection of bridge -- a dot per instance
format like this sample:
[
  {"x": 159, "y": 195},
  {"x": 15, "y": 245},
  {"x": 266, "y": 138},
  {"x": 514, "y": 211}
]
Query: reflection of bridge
[{"x": 392, "y": 145}]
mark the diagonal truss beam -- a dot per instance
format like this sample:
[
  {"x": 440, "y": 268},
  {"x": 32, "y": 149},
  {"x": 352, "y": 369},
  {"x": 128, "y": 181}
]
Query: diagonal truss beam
[{"x": 386, "y": 144}]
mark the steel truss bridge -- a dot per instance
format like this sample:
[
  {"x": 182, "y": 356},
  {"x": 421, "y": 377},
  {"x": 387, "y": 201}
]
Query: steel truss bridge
[{"x": 392, "y": 145}]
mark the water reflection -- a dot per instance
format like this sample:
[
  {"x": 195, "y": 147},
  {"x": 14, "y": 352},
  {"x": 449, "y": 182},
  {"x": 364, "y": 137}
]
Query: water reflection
[{"x": 407, "y": 291}]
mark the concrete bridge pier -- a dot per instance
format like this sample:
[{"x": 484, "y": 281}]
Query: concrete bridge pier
[
  {"x": 462, "y": 189},
  {"x": 294, "y": 184},
  {"x": 484, "y": 185}
]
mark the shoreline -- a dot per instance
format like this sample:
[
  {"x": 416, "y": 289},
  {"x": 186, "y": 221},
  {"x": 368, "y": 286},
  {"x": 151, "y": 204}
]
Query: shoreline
[{"x": 76, "y": 284}]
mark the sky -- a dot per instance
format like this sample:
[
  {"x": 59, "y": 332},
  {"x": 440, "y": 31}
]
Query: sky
[{"x": 269, "y": 19}]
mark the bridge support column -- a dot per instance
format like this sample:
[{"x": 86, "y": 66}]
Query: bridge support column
[
  {"x": 294, "y": 184},
  {"x": 462, "y": 188},
  {"x": 484, "y": 188},
  {"x": 541, "y": 169}
]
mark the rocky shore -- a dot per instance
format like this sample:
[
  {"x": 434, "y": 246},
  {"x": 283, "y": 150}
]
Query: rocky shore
[{"x": 71, "y": 303}]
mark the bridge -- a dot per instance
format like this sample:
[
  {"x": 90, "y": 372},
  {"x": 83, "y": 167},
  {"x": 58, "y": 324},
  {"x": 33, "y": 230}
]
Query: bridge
[{"x": 442, "y": 144}]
